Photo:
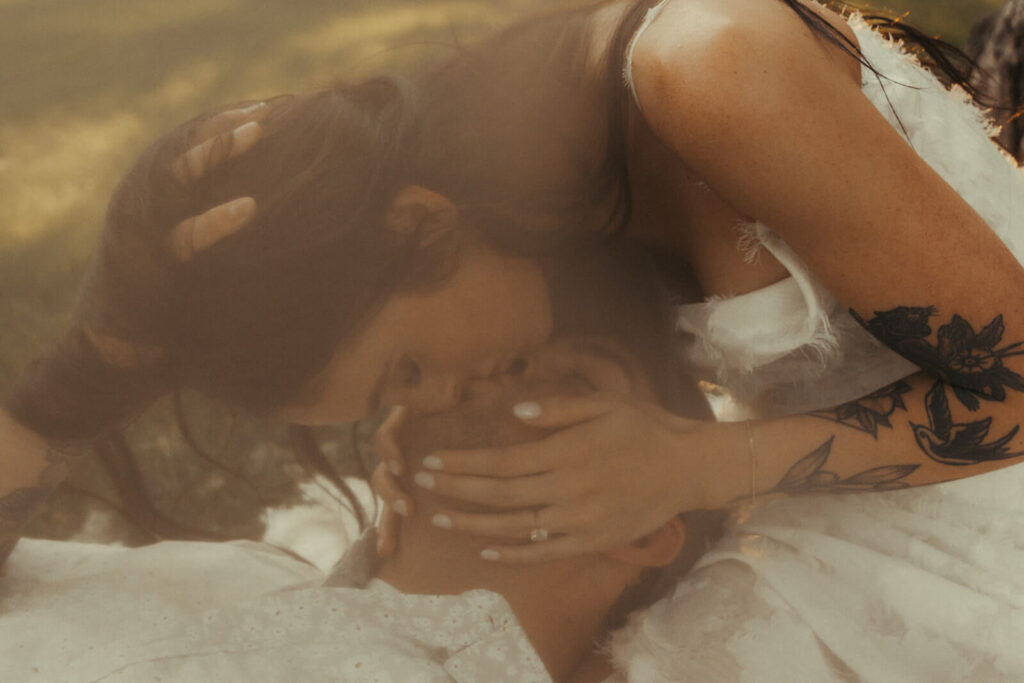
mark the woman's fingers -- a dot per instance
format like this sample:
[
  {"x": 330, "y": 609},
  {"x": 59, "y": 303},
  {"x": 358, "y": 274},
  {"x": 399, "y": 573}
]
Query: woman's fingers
[
  {"x": 396, "y": 505},
  {"x": 556, "y": 548},
  {"x": 515, "y": 525},
  {"x": 388, "y": 528},
  {"x": 534, "y": 457},
  {"x": 387, "y": 487},
  {"x": 385, "y": 440},
  {"x": 227, "y": 121},
  {"x": 211, "y": 153},
  {"x": 553, "y": 412},
  {"x": 512, "y": 524},
  {"x": 194, "y": 234},
  {"x": 222, "y": 137},
  {"x": 505, "y": 493}
]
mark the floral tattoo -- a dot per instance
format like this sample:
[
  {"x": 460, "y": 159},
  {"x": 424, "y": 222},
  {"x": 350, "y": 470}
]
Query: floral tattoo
[
  {"x": 809, "y": 475},
  {"x": 970, "y": 363},
  {"x": 869, "y": 413}
]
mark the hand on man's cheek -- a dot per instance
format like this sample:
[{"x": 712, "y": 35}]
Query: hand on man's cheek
[{"x": 484, "y": 421}]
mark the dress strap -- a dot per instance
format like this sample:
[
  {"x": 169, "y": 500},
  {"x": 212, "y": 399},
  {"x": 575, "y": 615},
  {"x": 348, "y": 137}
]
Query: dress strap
[{"x": 627, "y": 67}]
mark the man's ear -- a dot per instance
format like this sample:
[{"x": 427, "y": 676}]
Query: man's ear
[
  {"x": 656, "y": 549},
  {"x": 418, "y": 211}
]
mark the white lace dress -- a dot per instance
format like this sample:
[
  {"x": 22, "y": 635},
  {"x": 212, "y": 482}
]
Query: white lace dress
[{"x": 917, "y": 585}]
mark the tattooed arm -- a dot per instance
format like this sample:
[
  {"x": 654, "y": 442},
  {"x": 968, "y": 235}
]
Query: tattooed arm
[
  {"x": 957, "y": 419},
  {"x": 616, "y": 467},
  {"x": 911, "y": 433},
  {"x": 29, "y": 471},
  {"x": 876, "y": 223}
]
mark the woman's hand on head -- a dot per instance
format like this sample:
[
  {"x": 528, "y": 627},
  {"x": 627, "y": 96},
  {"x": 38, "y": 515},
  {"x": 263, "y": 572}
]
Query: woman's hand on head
[
  {"x": 218, "y": 139},
  {"x": 225, "y": 136},
  {"x": 617, "y": 469}
]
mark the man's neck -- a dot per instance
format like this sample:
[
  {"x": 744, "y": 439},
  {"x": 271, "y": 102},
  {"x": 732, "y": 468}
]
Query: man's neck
[{"x": 560, "y": 605}]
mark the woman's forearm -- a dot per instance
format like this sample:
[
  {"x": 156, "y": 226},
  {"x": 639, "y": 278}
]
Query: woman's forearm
[
  {"x": 911, "y": 433},
  {"x": 30, "y": 470}
]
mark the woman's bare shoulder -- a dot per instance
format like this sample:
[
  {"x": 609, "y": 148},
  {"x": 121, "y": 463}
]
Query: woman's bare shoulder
[
  {"x": 735, "y": 39},
  {"x": 715, "y": 67}
]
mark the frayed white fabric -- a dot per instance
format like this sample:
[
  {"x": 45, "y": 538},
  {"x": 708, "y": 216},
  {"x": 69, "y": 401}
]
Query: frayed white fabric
[
  {"x": 917, "y": 585},
  {"x": 772, "y": 347},
  {"x": 627, "y": 67}
]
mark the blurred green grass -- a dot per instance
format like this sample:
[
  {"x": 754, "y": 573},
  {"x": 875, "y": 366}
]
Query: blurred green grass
[{"x": 86, "y": 83}]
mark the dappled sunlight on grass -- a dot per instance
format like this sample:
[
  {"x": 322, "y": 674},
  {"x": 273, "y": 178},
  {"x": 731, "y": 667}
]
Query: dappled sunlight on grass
[
  {"x": 379, "y": 31},
  {"x": 110, "y": 19},
  {"x": 58, "y": 165},
  {"x": 58, "y": 170}
]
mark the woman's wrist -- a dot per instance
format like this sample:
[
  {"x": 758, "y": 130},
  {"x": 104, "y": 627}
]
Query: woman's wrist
[{"x": 714, "y": 465}]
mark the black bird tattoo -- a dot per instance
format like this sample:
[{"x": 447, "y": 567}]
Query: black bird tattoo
[{"x": 958, "y": 444}]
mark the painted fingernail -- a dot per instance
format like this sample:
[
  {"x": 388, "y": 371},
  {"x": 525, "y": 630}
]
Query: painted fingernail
[
  {"x": 432, "y": 462},
  {"x": 240, "y": 208},
  {"x": 247, "y": 132},
  {"x": 490, "y": 555},
  {"x": 424, "y": 480},
  {"x": 443, "y": 521},
  {"x": 527, "y": 410},
  {"x": 400, "y": 507},
  {"x": 252, "y": 107},
  {"x": 395, "y": 467}
]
